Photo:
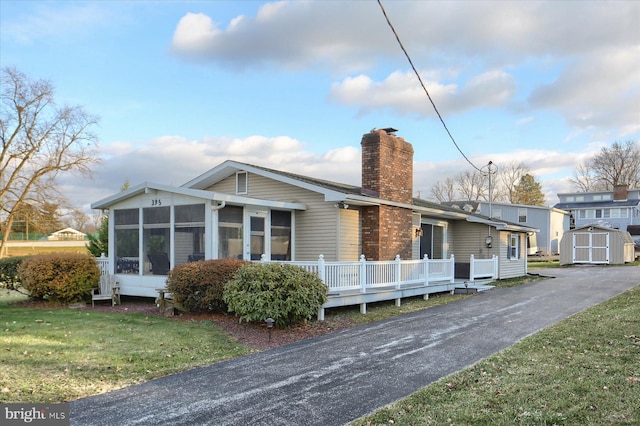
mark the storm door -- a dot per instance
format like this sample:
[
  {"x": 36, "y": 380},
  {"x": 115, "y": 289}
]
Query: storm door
[{"x": 257, "y": 236}]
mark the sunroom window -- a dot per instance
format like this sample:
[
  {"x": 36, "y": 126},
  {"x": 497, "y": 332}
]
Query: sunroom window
[{"x": 127, "y": 241}]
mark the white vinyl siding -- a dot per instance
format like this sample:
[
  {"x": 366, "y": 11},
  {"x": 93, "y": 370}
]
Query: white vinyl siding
[{"x": 316, "y": 229}]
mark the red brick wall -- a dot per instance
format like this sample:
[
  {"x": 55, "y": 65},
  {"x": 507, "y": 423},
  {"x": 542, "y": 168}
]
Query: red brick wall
[
  {"x": 387, "y": 172},
  {"x": 387, "y": 166}
]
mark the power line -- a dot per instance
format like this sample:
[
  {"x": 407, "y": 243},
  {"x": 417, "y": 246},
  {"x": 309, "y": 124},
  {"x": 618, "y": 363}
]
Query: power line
[{"x": 384, "y": 12}]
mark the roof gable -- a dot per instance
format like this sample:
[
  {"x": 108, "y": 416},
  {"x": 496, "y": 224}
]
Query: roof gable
[{"x": 331, "y": 190}]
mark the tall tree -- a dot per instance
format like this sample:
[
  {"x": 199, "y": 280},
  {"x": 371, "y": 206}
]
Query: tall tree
[
  {"x": 618, "y": 164},
  {"x": 508, "y": 178},
  {"x": 472, "y": 186},
  {"x": 444, "y": 190},
  {"x": 99, "y": 243},
  {"x": 528, "y": 192},
  {"x": 39, "y": 140}
]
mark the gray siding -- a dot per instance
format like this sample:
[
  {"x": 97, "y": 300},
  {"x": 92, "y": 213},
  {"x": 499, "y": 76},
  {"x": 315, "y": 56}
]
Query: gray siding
[
  {"x": 510, "y": 268},
  {"x": 469, "y": 239},
  {"x": 550, "y": 222}
]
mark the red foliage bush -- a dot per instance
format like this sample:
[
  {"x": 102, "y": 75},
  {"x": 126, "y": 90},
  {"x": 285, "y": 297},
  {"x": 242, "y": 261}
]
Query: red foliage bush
[
  {"x": 60, "y": 277},
  {"x": 198, "y": 286}
]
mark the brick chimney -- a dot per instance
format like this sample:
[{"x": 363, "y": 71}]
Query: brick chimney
[
  {"x": 387, "y": 173},
  {"x": 620, "y": 192}
]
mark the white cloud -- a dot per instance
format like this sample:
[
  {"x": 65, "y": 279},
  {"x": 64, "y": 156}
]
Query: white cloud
[
  {"x": 477, "y": 55},
  {"x": 53, "y": 21},
  {"x": 174, "y": 160},
  {"x": 402, "y": 93}
]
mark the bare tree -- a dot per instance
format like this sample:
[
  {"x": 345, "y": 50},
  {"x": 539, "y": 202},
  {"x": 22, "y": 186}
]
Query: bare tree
[
  {"x": 585, "y": 179},
  {"x": 77, "y": 219},
  {"x": 472, "y": 186},
  {"x": 39, "y": 141},
  {"x": 619, "y": 164},
  {"x": 444, "y": 190},
  {"x": 508, "y": 177}
]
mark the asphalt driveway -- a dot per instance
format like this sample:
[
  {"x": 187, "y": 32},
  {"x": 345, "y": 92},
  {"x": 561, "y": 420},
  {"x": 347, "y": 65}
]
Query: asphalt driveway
[{"x": 336, "y": 378}]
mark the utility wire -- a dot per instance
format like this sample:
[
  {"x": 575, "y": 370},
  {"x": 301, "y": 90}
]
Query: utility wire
[{"x": 424, "y": 87}]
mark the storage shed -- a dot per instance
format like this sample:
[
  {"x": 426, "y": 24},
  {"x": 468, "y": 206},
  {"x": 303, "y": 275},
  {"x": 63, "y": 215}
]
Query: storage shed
[{"x": 596, "y": 245}]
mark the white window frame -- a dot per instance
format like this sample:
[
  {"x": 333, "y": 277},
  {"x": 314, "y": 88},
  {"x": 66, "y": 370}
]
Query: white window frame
[
  {"x": 522, "y": 213},
  {"x": 242, "y": 183},
  {"x": 514, "y": 247}
]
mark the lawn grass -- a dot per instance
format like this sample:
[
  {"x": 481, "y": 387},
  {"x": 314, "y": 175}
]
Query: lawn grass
[
  {"x": 542, "y": 263},
  {"x": 56, "y": 355},
  {"x": 583, "y": 370}
]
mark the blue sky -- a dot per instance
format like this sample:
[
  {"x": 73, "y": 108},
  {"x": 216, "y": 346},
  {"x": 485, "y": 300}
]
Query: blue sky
[{"x": 182, "y": 86}]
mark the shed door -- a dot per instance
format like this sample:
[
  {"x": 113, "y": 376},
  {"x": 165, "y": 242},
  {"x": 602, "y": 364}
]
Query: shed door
[{"x": 591, "y": 247}]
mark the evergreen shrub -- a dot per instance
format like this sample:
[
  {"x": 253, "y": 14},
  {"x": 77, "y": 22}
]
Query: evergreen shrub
[
  {"x": 198, "y": 286},
  {"x": 9, "y": 278},
  {"x": 284, "y": 292},
  {"x": 59, "y": 277}
]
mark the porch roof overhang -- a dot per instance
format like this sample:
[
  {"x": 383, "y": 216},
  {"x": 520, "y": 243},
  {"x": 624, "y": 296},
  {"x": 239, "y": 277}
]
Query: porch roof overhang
[
  {"x": 501, "y": 226},
  {"x": 147, "y": 187},
  {"x": 361, "y": 200}
]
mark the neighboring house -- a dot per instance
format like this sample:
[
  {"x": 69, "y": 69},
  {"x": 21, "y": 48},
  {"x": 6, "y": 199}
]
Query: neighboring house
[
  {"x": 596, "y": 245},
  {"x": 67, "y": 234},
  {"x": 615, "y": 209},
  {"x": 245, "y": 211},
  {"x": 550, "y": 221}
]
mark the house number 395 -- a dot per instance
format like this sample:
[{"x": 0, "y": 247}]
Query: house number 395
[{"x": 156, "y": 202}]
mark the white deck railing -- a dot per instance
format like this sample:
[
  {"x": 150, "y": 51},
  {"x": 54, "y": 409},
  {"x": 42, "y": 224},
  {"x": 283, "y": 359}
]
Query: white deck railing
[
  {"x": 365, "y": 276},
  {"x": 103, "y": 264},
  {"x": 483, "y": 268}
]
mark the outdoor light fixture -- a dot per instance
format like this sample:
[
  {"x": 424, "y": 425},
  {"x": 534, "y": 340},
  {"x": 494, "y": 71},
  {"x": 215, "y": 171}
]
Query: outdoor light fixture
[
  {"x": 418, "y": 232},
  {"x": 269, "y": 322},
  {"x": 488, "y": 241}
]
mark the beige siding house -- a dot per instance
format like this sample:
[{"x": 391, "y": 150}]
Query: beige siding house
[{"x": 247, "y": 211}]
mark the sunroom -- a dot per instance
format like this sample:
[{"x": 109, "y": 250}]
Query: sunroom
[{"x": 154, "y": 228}]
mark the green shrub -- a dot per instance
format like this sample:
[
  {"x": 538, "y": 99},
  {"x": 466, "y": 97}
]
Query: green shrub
[
  {"x": 59, "y": 277},
  {"x": 198, "y": 286},
  {"x": 286, "y": 293},
  {"x": 9, "y": 278}
]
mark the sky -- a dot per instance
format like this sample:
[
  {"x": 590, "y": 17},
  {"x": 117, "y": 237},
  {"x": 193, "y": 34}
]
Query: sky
[{"x": 181, "y": 87}]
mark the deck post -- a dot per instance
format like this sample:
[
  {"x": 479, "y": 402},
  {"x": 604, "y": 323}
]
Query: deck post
[
  {"x": 425, "y": 268},
  {"x": 321, "y": 269},
  {"x": 453, "y": 269},
  {"x": 363, "y": 277},
  {"x": 398, "y": 272},
  {"x": 363, "y": 308},
  {"x": 495, "y": 267},
  {"x": 472, "y": 268},
  {"x": 321, "y": 314}
]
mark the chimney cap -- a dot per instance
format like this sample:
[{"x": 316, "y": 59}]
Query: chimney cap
[{"x": 389, "y": 130}]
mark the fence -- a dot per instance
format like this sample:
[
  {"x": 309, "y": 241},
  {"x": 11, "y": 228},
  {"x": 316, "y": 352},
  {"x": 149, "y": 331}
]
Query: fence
[
  {"x": 365, "y": 276},
  {"x": 103, "y": 264}
]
